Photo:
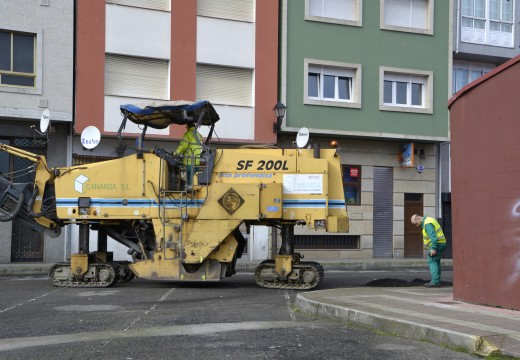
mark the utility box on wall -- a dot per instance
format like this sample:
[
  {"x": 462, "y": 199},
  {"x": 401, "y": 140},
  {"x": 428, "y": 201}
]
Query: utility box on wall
[{"x": 485, "y": 154}]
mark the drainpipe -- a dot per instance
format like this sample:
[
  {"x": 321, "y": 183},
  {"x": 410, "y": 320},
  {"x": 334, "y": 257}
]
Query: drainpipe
[
  {"x": 438, "y": 203},
  {"x": 68, "y": 228},
  {"x": 457, "y": 31}
]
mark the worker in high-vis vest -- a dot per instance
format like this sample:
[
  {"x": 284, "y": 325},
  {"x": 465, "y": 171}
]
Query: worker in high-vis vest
[
  {"x": 435, "y": 242},
  {"x": 190, "y": 147}
]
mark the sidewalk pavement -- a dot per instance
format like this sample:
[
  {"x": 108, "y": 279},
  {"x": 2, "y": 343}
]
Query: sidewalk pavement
[{"x": 429, "y": 314}]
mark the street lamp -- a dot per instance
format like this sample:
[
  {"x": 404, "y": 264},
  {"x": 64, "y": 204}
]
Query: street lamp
[{"x": 279, "y": 111}]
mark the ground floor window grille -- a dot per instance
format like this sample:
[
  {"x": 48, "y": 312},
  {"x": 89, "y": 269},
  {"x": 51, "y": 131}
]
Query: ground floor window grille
[
  {"x": 88, "y": 159},
  {"x": 320, "y": 242}
]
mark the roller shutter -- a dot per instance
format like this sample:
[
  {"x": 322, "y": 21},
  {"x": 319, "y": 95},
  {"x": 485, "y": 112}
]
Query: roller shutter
[
  {"x": 163, "y": 5},
  {"x": 224, "y": 85},
  {"x": 447, "y": 225},
  {"x": 240, "y": 10},
  {"x": 136, "y": 77},
  {"x": 383, "y": 212}
]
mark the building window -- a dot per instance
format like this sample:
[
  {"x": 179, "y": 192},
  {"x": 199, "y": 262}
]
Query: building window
[
  {"x": 346, "y": 12},
  {"x": 332, "y": 83},
  {"x": 488, "y": 22},
  {"x": 225, "y": 85},
  {"x": 136, "y": 77},
  {"x": 407, "y": 15},
  {"x": 17, "y": 59},
  {"x": 352, "y": 184},
  {"x": 406, "y": 90},
  {"x": 466, "y": 72}
]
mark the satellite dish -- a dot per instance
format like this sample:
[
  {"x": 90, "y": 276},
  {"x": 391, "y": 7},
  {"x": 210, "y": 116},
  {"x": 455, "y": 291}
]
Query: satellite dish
[
  {"x": 90, "y": 137},
  {"x": 302, "y": 138},
  {"x": 45, "y": 121}
]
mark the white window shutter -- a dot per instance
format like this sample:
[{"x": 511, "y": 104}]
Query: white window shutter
[
  {"x": 334, "y": 9},
  {"x": 419, "y": 11},
  {"x": 163, "y": 5},
  {"x": 340, "y": 9},
  {"x": 397, "y": 12},
  {"x": 136, "y": 77},
  {"x": 240, "y": 10},
  {"x": 224, "y": 85}
]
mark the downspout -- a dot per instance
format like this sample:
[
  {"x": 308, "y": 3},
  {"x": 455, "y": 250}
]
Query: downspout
[
  {"x": 438, "y": 203},
  {"x": 68, "y": 228},
  {"x": 457, "y": 40}
]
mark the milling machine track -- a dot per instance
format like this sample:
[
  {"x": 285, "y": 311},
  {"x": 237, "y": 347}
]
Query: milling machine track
[
  {"x": 97, "y": 276},
  {"x": 306, "y": 275}
]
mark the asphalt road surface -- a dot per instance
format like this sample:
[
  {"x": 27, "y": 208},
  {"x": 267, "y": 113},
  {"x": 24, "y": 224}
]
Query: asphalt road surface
[{"x": 231, "y": 319}]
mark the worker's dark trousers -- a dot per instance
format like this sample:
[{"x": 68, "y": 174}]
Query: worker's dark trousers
[{"x": 434, "y": 263}]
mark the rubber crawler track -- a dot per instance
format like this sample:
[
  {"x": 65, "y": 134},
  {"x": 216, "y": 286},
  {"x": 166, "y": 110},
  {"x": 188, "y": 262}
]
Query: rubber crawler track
[
  {"x": 71, "y": 282},
  {"x": 292, "y": 285}
]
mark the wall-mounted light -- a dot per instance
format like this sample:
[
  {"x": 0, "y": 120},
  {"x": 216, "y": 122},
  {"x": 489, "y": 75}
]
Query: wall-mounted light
[{"x": 279, "y": 111}]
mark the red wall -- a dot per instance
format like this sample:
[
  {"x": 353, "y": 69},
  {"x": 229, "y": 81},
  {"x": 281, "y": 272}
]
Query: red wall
[
  {"x": 90, "y": 62},
  {"x": 485, "y": 155},
  {"x": 90, "y": 65},
  {"x": 266, "y": 69}
]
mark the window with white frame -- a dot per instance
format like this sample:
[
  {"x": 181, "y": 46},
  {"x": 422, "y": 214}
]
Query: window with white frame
[
  {"x": 332, "y": 83},
  {"x": 407, "y": 15},
  {"x": 406, "y": 90},
  {"x": 465, "y": 72},
  {"x": 347, "y": 12},
  {"x": 17, "y": 59},
  {"x": 488, "y": 22}
]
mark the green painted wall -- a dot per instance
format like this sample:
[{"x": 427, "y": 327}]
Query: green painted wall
[{"x": 371, "y": 47}]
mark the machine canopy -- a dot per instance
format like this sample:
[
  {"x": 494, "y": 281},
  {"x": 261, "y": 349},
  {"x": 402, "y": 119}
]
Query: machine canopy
[{"x": 161, "y": 114}]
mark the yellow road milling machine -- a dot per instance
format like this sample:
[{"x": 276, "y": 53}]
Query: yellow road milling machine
[{"x": 176, "y": 228}]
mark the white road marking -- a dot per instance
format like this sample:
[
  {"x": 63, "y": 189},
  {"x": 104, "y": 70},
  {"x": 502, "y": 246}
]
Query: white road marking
[
  {"x": 289, "y": 305},
  {"x": 146, "y": 312},
  {"x": 177, "y": 330},
  {"x": 28, "y": 301}
]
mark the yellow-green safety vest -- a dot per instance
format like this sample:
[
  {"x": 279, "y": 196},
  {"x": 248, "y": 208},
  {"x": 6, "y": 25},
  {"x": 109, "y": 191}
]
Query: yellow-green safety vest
[
  {"x": 441, "y": 239},
  {"x": 190, "y": 148}
]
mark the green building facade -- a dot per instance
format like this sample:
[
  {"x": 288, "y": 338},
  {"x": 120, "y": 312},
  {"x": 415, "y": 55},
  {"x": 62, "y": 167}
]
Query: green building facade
[{"x": 375, "y": 76}]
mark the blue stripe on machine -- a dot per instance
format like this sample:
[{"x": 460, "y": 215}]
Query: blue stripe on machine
[
  {"x": 337, "y": 204},
  {"x": 94, "y": 202},
  {"x": 319, "y": 204}
]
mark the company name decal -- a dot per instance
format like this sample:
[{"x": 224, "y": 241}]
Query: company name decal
[
  {"x": 245, "y": 175},
  {"x": 83, "y": 184}
]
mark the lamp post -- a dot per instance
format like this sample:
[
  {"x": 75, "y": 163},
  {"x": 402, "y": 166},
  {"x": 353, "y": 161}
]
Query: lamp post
[{"x": 279, "y": 111}]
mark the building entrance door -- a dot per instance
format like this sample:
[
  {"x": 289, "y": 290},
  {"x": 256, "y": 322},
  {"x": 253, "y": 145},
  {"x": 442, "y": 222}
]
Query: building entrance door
[{"x": 413, "y": 244}]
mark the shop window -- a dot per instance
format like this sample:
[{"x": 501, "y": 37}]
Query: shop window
[{"x": 352, "y": 184}]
